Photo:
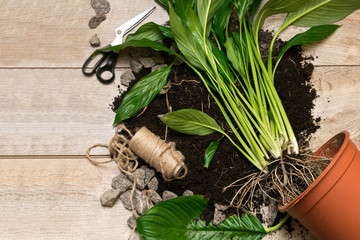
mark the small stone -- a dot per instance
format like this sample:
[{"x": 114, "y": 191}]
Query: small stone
[
  {"x": 125, "y": 199},
  {"x": 153, "y": 184},
  {"x": 121, "y": 182},
  {"x": 100, "y": 6},
  {"x": 126, "y": 78},
  {"x": 109, "y": 197},
  {"x": 168, "y": 195},
  {"x": 156, "y": 67},
  {"x": 188, "y": 193},
  {"x": 269, "y": 213},
  {"x": 140, "y": 53},
  {"x": 147, "y": 62},
  {"x": 140, "y": 178},
  {"x": 154, "y": 196},
  {"x": 158, "y": 60},
  {"x": 141, "y": 204},
  {"x": 219, "y": 217},
  {"x": 221, "y": 207},
  {"x": 96, "y": 20},
  {"x": 94, "y": 41},
  {"x": 135, "y": 66},
  {"x": 131, "y": 222},
  {"x": 149, "y": 173}
]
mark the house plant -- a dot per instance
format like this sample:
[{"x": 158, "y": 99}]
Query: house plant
[{"x": 254, "y": 112}]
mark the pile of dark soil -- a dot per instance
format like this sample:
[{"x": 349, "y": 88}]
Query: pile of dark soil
[{"x": 295, "y": 90}]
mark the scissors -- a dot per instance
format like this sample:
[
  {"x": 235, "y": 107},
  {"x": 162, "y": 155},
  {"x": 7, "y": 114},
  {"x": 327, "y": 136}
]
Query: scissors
[{"x": 112, "y": 56}]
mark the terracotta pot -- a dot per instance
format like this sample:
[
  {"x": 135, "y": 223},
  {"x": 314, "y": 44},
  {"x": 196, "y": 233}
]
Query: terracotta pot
[{"x": 330, "y": 207}]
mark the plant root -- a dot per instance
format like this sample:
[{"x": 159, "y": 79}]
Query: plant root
[{"x": 286, "y": 178}]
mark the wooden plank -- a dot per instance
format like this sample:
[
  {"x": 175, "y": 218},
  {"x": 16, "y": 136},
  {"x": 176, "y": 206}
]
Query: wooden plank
[
  {"x": 44, "y": 33},
  {"x": 58, "y": 199},
  {"x": 341, "y": 48},
  {"x": 338, "y": 103},
  {"x": 63, "y": 115},
  {"x": 58, "y": 34},
  {"x": 53, "y": 111}
]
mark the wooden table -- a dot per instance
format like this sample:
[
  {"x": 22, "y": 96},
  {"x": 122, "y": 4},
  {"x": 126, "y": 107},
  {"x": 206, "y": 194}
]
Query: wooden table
[{"x": 51, "y": 113}]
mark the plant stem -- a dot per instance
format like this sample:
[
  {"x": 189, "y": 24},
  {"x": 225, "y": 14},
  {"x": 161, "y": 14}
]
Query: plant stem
[{"x": 279, "y": 225}]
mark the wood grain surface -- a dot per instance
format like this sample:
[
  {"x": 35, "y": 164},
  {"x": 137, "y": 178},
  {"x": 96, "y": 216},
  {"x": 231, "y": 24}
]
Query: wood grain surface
[{"x": 50, "y": 114}]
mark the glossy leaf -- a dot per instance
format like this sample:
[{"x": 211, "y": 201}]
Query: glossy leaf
[
  {"x": 186, "y": 40},
  {"x": 175, "y": 219},
  {"x": 206, "y": 10},
  {"x": 142, "y": 93},
  {"x": 312, "y": 35},
  {"x": 322, "y": 12},
  {"x": 210, "y": 152},
  {"x": 151, "y": 31},
  {"x": 221, "y": 20},
  {"x": 243, "y": 7},
  {"x": 138, "y": 43},
  {"x": 273, "y": 7},
  {"x": 191, "y": 121}
]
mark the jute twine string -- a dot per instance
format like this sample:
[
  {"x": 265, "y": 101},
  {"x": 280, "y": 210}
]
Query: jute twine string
[
  {"x": 120, "y": 154},
  {"x": 156, "y": 152},
  {"x": 159, "y": 154}
]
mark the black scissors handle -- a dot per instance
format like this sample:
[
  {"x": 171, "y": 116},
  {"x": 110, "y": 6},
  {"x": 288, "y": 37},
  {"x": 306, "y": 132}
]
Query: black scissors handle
[{"x": 99, "y": 69}]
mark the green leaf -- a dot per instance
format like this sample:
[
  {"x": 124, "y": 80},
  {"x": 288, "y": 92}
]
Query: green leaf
[
  {"x": 312, "y": 35},
  {"x": 210, "y": 152},
  {"x": 138, "y": 43},
  {"x": 243, "y": 7},
  {"x": 273, "y": 7},
  {"x": 142, "y": 93},
  {"x": 221, "y": 19},
  {"x": 151, "y": 31},
  {"x": 206, "y": 10},
  {"x": 191, "y": 121},
  {"x": 326, "y": 12},
  {"x": 188, "y": 41},
  {"x": 164, "y": 3},
  {"x": 173, "y": 219},
  {"x": 250, "y": 229}
]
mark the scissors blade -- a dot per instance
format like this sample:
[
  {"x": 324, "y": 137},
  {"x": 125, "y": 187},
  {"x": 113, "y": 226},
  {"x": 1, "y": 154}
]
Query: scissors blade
[{"x": 129, "y": 25}]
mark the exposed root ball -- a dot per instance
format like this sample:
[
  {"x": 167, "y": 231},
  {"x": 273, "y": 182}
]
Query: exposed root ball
[{"x": 281, "y": 183}]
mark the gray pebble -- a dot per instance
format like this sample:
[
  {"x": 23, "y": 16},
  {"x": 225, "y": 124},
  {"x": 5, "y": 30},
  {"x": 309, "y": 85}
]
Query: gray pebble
[
  {"x": 156, "y": 67},
  {"x": 153, "y": 184},
  {"x": 140, "y": 53},
  {"x": 158, "y": 59},
  {"x": 271, "y": 213},
  {"x": 147, "y": 62},
  {"x": 125, "y": 199},
  {"x": 121, "y": 182},
  {"x": 131, "y": 221},
  {"x": 168, "y": 195},
  {"x": 140, "y": 178},
  {"x": 94, "y": 41},
  {"x": 135, "y": 66},
  {"x": 109, "y": 197},
  {"x": 141, "y": 204},
  {"x": 126, "y": 78},
  {"x": 154, "y": 196},
  {"x": 221, "y": 207},
  {"x": 219, "y": 217},
  {"x": 149, "y": 173},
  {"x": 188, "y": 193}
]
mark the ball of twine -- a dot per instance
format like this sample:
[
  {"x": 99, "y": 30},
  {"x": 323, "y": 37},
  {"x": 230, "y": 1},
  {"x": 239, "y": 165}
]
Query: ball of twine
[{"x": 159, "y": 154}]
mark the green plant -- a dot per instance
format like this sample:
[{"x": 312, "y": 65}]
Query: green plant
[
  {"x": 231, "y": 67},
  {"x": 178, "y": 219}
]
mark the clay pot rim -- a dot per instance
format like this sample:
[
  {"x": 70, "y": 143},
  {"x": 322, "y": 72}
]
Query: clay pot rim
[{"x": 284, "y": 208}]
